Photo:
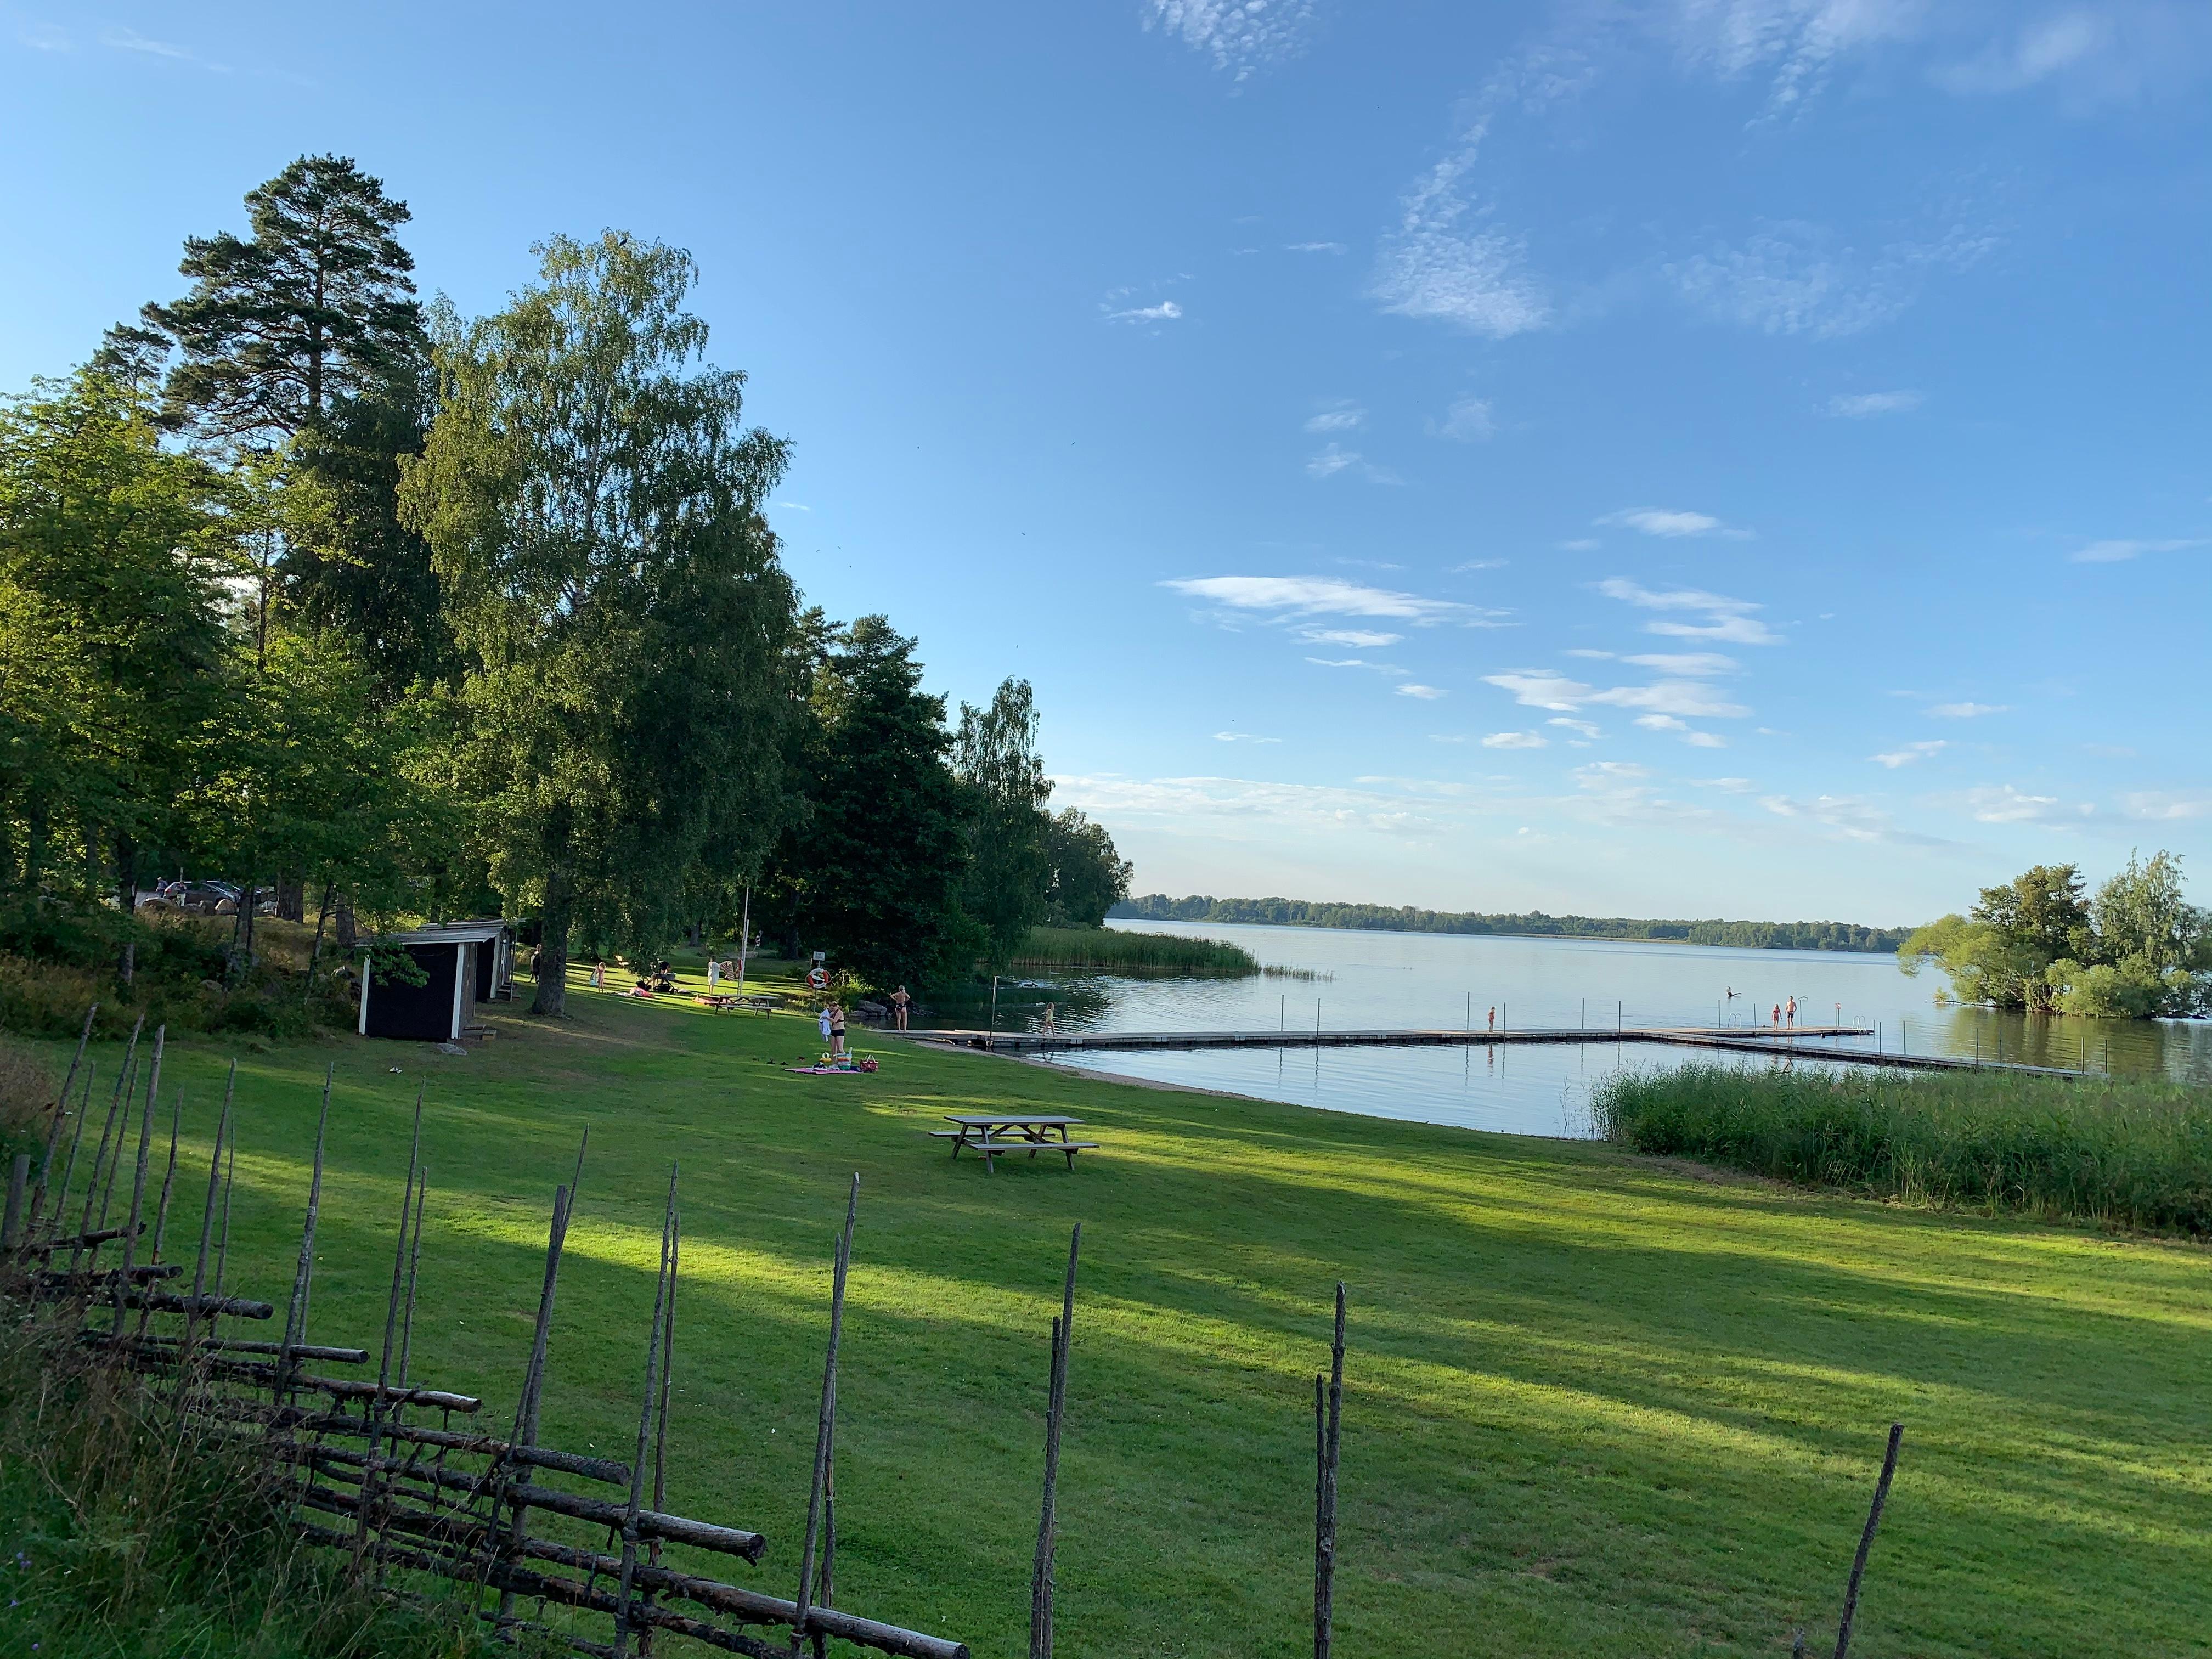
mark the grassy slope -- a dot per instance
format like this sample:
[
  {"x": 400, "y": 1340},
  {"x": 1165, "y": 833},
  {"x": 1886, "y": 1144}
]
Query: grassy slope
[{"x": 1594, "y": 1407}]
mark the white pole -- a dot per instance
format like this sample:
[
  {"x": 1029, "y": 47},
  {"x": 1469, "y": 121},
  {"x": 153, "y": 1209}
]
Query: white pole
[{"x": 744, "y": 937}]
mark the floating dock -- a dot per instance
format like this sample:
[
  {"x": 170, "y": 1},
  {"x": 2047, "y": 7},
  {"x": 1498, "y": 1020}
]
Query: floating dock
[{"x": 1799, "y": 1042}]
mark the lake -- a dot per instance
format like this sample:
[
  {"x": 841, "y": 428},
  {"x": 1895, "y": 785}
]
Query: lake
[{"x": 1366, "y": 979}]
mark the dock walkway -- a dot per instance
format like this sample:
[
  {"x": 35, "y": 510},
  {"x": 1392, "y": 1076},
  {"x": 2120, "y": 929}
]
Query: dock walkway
[{"x": 1802, "y": 1043}]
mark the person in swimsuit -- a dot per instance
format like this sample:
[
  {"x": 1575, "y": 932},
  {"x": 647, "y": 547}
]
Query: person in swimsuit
[
  {"x": 837, "y": 1029},
  {"x": 899, "y": 1001}
]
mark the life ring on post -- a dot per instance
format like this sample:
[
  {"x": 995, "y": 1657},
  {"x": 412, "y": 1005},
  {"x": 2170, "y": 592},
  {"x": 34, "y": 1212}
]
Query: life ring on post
[{"x": 817, "y": 979}]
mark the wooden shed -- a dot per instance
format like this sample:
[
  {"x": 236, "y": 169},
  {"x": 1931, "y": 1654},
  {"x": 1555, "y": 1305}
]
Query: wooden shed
[{"x": 463, "y": 964}]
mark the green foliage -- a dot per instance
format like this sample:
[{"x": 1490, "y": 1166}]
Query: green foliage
[
  {"x": 873, "y": 873},
  {"x": 1088, "y": 877},
  {"x": 1306, "y": 913},
  {"x": 118, "y": 1535},
  {"x": 995, "y": 756},
  {"x": 593, "y": 510},
  {"x": 2134, "y": 1152},
  {"x": 2137, "y": 950},
  {"x": 315, "y": 305},
  {"x": 1109, "y": 948}
]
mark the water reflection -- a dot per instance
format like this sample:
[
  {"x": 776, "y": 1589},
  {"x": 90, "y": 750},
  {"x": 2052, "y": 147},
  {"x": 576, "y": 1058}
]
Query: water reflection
[{"x": 1368, "y": 980}]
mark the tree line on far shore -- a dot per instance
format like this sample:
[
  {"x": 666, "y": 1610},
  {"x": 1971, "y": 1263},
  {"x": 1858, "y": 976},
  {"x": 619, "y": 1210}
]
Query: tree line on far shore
[
  {"x": 398, "y": 613},
  {"x": 1382, "y": 918}
]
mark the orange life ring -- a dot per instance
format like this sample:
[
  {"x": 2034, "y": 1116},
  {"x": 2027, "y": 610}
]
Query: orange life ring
[{"x": 818, "y": 979}]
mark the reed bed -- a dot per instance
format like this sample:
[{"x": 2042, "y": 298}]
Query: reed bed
[
  {"x": 2125, "y": 1152},
  {"x": 1111, "y": 949}
]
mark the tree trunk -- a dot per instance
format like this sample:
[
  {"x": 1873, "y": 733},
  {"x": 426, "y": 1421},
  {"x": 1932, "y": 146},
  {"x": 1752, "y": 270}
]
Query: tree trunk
[
  {"x": 291, "y": 898},
  {"x": 126, "y": 889},
  {"x": 552, "y": 995},
  {"x": 342, "y": 926}
]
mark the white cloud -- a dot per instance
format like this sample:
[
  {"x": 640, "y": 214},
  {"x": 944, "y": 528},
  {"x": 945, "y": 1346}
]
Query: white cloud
[
  {"x": 2003, "y": 804},
  {"x": 1694, "y": 664},
  {"x": 1515, "y": 740},
  {"x": 1468, "y": 420},
  {"x": 43, "y": 37},
  {"x": 1705, "y": 740},
  {"x": 2114, "y": 552},
  {"x": 1359, "y": 639},
  {"x": 1672, "y": 521},
  {"x": 1585, "y": 727},
  {"x": 1166, "y": 312},
  {"x": 1585, "y": 651},
  {"x": 1479, "y": 564},
  {"x": 1336, "y": 458},
  {"x": 795, "y": 507},
  {"x": 1340, "y": 417},
  {"x": 2113, "y": 51},
  {"x": 1242, "y": 737},
  {"x": 1728, "y": 620},
  {"x": 1799, "y": 39},
  {"x": 1692, "y": 698},
  {"x": 1444, "y": 265},
  {"x": 1313, "y": 595},
  {"x": 1794, "y": 278},
  {"x": 1426, "y": 693},
  {"x": 1596, "y": 774},
  {"x": 1349, "y": 662},
  {"x": 1661, "y": 723},
  {"x": 2162, "y": 808},
  {"x": 1726, "y": 785},
  {"x": 1911, "y": 752},
  {"x": 125, "y": 39},
  {"x": 1861, "y": 405},
  {"x": 1312, "y": 247},
  {"x": 1236, "y": 35},
  {"x": 1542, "y": 688},
  {"x": 1852, "y": 818},
  {"x": 1967, "y": 711}
]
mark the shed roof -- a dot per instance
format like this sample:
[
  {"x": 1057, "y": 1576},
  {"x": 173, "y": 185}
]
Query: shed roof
[{"x": 447, "y": 932}]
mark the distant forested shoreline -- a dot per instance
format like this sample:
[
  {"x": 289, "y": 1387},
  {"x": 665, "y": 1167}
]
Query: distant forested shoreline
[{"x": 1307, "y": 913}]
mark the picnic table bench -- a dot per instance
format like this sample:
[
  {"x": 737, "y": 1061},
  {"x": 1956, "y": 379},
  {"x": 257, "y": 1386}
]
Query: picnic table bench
[{"x": 995, "y": 1134}]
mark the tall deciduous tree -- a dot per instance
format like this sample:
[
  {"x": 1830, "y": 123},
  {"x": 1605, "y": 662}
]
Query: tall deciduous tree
[
  {"x": 112, "y": 646},
  {"x": 1089, "y": 875},
  {"x": 995, "y": 756},
  {"x": 593, "y": 506},
  {"x": 316, "y": 305}
]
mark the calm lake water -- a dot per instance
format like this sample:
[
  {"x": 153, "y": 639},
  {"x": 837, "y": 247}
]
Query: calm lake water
[{"x": 1370, "y": 980}]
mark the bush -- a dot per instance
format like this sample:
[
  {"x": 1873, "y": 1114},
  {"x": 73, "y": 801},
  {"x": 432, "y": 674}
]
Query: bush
[
  {"x": 2133, "y": 1152},
  {"x": 121, "y": 1535}
]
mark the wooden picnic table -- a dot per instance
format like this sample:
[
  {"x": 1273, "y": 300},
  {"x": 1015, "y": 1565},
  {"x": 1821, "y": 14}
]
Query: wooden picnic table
[{"x": 995, "y": 1134}]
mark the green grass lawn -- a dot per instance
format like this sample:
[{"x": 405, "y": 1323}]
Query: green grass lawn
[{"x": 1595, "y": 1406}]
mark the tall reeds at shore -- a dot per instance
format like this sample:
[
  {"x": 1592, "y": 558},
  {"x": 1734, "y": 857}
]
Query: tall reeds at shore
[
  {"x": 2128, "y": 1153},
  {"x": 1112, "y": 949}
]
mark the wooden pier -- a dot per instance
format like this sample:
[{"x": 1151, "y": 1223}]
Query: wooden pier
[{"x": 1799, "y": 1042}]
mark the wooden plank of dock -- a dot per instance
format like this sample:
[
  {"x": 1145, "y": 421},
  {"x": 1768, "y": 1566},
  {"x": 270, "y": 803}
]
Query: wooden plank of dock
[{"x": 1801, "y": 1042}]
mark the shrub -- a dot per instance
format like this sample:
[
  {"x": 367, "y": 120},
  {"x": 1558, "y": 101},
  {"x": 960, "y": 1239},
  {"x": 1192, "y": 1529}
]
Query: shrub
[{"x": 2134, "y": 1152}]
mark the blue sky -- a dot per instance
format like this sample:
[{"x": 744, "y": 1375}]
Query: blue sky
[{"x": 1738, "y": 457}]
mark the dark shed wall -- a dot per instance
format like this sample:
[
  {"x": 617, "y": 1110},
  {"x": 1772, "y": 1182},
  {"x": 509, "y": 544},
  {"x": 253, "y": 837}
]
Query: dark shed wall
[{"x": 423, "y": 1011}]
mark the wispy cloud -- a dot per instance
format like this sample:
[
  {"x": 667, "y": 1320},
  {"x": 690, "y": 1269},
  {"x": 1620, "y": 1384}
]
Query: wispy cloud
[
  {"x": 1242, "y": 737},
  {"x": 1426, "y": 693},
  {"x": 1798, "y": 41},
  {"x": 43, "y": 37},
  {"x": 1545, "y": 687},
  {"x": 2116, "y": 52},
  {"x": 1313, "y": 595},
  {"x": 1335, "y": 459},
  {"x": 2159, "y": 806},
  {"x": 1238, "y": 35},
  {"x": 1359, "y": 639},
  {"x": 1479, "y": 564},
  {"x": 1967, "y": 711},
  {"x": 1312, "y": 247},
  {"x": 1585, "y": 727},
  {"x": 1797, "y": 278},
  {"x": 795, "y": 507},
  {"x": 1693, "y": 664},
  {"x": 2116, "y": 552},
  {"x": 1727, "y": 621},
  {"x": 1849, "y": 817},
  {"x": 1864, "y": 405},
  {"x": 1468, "y": 420},
  {"x": 1672, "y": 521},
  {"x": 1542, "y": 688},
  {"x": 1341, "y": 417},
  {"x": 1911, "y": 752},
  {"x": 1446, "y": 263},
  {"x": 1516, "y": 740},
  {"x": 2003, "y": 804},
  {"x": 1166, "y": 312},
  {"x": 128, "y": 39}
]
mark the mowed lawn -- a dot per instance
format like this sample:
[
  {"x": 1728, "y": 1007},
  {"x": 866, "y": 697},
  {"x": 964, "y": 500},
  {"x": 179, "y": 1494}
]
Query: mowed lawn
[{"x": 1594, "y": 1406}]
